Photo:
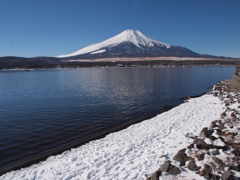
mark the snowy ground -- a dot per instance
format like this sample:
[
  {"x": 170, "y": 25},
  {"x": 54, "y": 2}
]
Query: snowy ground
[{"x": 133, "y": 153}]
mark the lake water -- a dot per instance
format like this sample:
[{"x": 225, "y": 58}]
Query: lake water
[{"x": 46, "y": 110}]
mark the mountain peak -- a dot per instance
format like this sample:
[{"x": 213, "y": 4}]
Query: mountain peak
[
  {"x": 131, "y": 32},
  {"x": 128, "y": 36},
  {"x": 137, "y": 38}
]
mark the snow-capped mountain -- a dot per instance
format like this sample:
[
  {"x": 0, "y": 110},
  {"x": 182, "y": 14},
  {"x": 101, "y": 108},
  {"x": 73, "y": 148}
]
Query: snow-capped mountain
[{"x": 130, "y": 43}]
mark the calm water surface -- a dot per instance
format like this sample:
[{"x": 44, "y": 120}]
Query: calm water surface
[{"x": 45, "y": 110}]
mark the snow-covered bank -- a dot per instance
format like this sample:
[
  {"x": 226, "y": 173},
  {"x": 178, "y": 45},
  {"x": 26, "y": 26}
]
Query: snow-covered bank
[
  {"x": 133, "y": 153},
  {"x": 215, "y": 152}
]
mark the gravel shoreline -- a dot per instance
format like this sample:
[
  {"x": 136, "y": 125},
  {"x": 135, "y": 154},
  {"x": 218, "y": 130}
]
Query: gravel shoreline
[{"x": 215, "y": 152}]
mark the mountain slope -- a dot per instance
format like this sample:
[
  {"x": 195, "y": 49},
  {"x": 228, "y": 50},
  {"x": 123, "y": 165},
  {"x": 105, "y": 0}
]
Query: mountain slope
[{"x": 130, "y": 43}]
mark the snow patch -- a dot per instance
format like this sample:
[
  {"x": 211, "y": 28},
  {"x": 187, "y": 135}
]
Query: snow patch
[
  {"x": 100, "y": 51},
  {"x": 208, "y": 141},
  {"x": 219, "y": 142}
]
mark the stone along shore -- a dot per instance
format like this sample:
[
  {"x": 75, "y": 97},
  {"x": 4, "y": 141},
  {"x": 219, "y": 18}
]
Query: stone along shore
[{"x": 215, "y": 152}]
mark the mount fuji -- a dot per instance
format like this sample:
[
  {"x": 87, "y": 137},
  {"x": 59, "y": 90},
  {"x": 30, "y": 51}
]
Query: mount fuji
[
  {"x": 130, "y": 47},
  {"x": 130, "y": 43}
]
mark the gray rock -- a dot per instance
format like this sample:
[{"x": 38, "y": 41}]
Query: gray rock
[
  {"x": 169, "y": 168},
  {"x": 200, "y": 156},
  {"x": 181, "y": 156},
  {"x": 215, "y": 177},
  {"x": 165, "y": 167},
  {"x": 203, "y": 146},
  {"x": 208, "y": 176},
  {"x": 174, "y": 170},
  {"x": 220, "y": 163},
  {"x": 205, "y": 133},
  {"x": 227, "y": 175},
  {"x": 228, "y": 109},
  {"x": 231, "y": 100},
  {"x": 192, "y": 166},
  {"x": 221, "y": 97},
  {"x": 236, "y": 152},
  {"x": 206, "y": 172},
  {"x": 221, "y": 125},
  {"x": 218, "y": 131},
  {"x": 200, "y": 144},
  {"x": 154, "y": 176},
  {"x": 233, "y": 115},
  {"x": 190, "y": 146},
  {"x": 223, "y": 115}
]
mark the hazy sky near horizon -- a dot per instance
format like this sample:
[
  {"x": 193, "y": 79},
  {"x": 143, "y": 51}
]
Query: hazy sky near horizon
[{"x": 52, "y": 27}]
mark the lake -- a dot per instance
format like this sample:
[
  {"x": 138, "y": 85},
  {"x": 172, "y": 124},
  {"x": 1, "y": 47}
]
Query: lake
[{"x": 45, "y": 111}]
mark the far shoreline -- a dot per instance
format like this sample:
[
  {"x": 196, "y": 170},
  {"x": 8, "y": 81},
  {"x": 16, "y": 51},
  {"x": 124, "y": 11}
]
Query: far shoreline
[
  {"x": 53, "y": 62},
  {"x": 117, "y": 65}
]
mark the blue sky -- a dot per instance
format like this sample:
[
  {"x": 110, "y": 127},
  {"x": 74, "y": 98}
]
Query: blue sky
[{"x": 51, "y": 27}]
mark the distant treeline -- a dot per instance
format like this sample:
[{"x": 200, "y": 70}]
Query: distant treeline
[{"x": 51, "y": 62}]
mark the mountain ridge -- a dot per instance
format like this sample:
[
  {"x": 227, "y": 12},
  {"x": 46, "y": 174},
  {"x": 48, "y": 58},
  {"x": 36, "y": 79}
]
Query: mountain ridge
[{"x": 130, "y": 43}]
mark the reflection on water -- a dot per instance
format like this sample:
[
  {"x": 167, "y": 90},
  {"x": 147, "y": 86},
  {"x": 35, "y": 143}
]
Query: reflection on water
[{"x": 48, "y": 109}]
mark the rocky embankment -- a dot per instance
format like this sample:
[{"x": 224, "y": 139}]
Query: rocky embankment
[{"x": 215, "y": 152}]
